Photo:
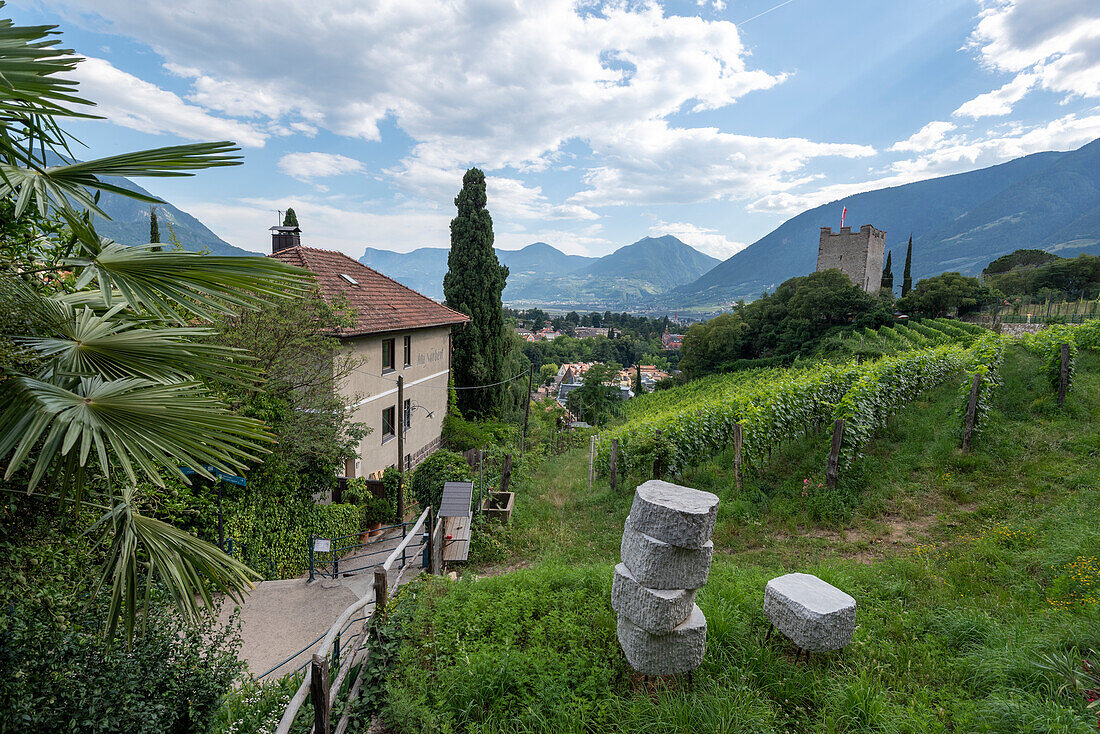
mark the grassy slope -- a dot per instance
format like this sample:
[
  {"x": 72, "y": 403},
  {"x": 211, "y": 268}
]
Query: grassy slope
[{"x": 959, "y": 565}]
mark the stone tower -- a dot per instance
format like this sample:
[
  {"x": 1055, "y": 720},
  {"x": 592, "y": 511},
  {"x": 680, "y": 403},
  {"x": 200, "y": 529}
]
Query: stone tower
[{"x": 858, "y": 255}]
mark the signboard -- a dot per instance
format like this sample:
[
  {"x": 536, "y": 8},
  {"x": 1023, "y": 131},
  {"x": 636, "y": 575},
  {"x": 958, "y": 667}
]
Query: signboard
[
  {"x": 322, "y": 545},
  {"x": 231, "y": 478}
]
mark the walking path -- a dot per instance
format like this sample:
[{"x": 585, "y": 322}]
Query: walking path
[{"x": 279, "y": 618}]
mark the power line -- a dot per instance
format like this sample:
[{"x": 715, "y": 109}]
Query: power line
[{"x": 433, "y": 387}]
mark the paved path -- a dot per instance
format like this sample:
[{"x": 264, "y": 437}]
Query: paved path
[{"x": 279, "y": 618}]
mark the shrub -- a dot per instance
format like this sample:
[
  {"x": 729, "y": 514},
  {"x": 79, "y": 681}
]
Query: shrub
[
  {"x": 428, "y": 479},
  {"x": 60, "y": 675}
]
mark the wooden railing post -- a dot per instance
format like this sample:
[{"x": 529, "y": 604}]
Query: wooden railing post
[
  {"x": 738, "y": 442},
  {"x": 431, "y": 544},
  {"x": 318, "y": 693},
  {"x": 1063, "y": 375},
  {"x": 832, "y": 468},
  {"x": 381, "y": 592},
  {"x": 614, "y": 464},
  {"x": 971, "y": 413}
]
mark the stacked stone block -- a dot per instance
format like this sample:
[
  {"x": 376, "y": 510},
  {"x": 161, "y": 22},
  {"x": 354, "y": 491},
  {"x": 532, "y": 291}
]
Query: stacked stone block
[{"x": 666, "y": 553}]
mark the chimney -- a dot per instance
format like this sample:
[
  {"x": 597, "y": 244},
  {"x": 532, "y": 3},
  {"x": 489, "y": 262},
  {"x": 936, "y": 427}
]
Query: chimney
[{"x": 283, "y": 238}]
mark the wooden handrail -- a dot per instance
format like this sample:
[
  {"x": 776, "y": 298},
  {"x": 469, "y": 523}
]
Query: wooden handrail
[{"x": 299, "y": 697}]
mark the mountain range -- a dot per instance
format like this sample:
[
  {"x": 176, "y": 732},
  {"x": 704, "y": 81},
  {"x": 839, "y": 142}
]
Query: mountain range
[
  {"x": 542, "y": 275},
  {"x": 1048, "y": 201}
]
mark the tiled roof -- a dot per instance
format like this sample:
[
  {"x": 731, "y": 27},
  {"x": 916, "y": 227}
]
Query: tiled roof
[{"x": 382, "y": 304}]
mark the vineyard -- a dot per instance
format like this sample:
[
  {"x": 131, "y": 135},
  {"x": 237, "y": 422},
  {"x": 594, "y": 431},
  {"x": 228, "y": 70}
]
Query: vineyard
[{"x": 669, "y": 431}]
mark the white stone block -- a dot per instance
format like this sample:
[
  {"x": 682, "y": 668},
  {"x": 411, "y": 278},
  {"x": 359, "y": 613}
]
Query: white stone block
[
  {"x": 815, "y": 615},
  {"x": 657, "y": 611},
  {"x": 677, "y": 515},
  {"x": 678, "y": 651},
  {"x": 656, "y": 564}
]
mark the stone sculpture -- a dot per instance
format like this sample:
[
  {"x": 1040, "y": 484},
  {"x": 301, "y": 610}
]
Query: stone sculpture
[
  {"x": 813, "y": 614},
  {"x": 666, "y": 554}
]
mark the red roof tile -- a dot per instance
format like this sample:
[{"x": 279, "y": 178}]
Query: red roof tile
[{"x": 382, "y": 304}]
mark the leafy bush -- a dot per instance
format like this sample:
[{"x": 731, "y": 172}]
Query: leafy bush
[
  {"x": 428, "y": 478},
  {"x": 60, "y": 675},
  {"x": 273, "y": 536}
]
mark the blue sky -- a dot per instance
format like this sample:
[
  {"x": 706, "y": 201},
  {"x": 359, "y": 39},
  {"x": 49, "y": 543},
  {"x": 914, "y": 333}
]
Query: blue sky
[{"x": 596, "y": 123}]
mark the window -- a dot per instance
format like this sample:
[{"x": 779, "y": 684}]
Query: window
[
  {"x": 388, "y": 423},
  {"x": 408, "y": 414},
  {"x": 408, "y": 351},
  {"x": 387, "y": 356}
]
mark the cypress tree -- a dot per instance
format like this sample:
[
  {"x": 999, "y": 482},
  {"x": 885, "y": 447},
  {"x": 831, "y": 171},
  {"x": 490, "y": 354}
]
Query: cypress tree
[
  {"x": 473, "y": 285},
  {"x": 888, "y": 273},
  {"x": 154, "y": 228},
  {"x": 291, "y": 219},
  {"x": 906, "y": 275},
  {"x": 638, "y": 381}
]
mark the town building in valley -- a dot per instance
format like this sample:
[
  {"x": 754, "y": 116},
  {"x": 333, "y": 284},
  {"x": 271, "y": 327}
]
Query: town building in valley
[{"x": 400, "y": 333}]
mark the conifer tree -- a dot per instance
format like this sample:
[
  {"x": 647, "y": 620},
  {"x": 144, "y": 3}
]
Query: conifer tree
[
  {"x": 638, "y": 380},
  {"x": 290, "y": 219},
  {"x": 907, "y": 275},
  {"x": 888, "y": 273},
  {"x": 154, "y": 228},
  {"x": 473, "y": 285}
]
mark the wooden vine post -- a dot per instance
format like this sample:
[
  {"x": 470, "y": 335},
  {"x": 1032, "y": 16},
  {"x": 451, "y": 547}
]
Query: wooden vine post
[
  {"x": 591, "y": 460},
  {"x": 1063, "y": 375},
  {"x": 738, "y": 443},
  {"x": 506, "y": 473},
  {"x": 657, "y": 454},
  {"x": 614, "y": 464},
  {"x": 971, "y": 413},
  {"x": 831, "y": 469},
  {"x": 318, "y": 694}
]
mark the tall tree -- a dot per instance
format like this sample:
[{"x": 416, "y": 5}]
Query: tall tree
[
  {"x": 154, "y": 228},
  {"x": 290, "y": 219},
  {"x": 473, "y": 285},
  {"x": 906, "y": 274},
  {"x": 888, "y": 273}
]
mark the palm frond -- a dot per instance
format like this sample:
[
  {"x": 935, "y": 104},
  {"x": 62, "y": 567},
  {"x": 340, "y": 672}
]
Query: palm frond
[
  {"x": 205, "y": 285},
  {"x": 84, "y": 342},
  {"x": 146, "y": 550},
  {"x": 142, "y": 425}
]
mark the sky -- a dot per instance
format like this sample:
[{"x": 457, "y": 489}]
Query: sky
[{"x": 596, "y": 123}]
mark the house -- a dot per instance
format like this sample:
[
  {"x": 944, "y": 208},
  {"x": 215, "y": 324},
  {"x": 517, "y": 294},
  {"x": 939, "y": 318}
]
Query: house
[
  {"x": 586, "y": 332},
  {"x": 650, "y": 376},
  {"x": 670, "y": 342},
  {"x": 547, "y": 334},
  {"x": 401, "y": 334}
]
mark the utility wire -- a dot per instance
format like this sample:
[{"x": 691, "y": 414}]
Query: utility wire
[{"x": 433, "y": 387}]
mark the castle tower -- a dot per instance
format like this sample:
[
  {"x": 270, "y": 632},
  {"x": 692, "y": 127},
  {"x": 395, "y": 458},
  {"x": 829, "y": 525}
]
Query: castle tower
[{"x": 859, "y": 255}]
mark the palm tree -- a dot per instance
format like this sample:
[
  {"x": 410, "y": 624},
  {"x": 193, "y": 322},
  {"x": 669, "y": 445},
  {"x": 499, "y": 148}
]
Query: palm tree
[{"x": 106, "y": 357}]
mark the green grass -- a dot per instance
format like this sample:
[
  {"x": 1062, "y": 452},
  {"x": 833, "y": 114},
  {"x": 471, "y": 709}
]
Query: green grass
[{"x": 966, "y": 568}]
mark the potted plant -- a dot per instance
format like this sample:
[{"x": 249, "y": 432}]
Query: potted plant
[{"x": 374, "y": 511}]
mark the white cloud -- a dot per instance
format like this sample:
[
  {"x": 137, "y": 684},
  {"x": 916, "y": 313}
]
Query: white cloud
[
  {"x": 245, "y": 223},
  {"x": 652, "y": 162},
  {"x": 929, "y": 136},
  {"x": 952, "y": 155},
  {"x": 131, "y": 102},
  {"x": 999, "y": 101},
  {"x": 1052, "y": 43},
  {"x": 703, "y": 239},
  {"x": 308, "y": 166},
  {"x": 539, "y": 76}
]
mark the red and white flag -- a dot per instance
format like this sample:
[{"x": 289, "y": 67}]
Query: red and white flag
[{"x": 842, "y": 215}]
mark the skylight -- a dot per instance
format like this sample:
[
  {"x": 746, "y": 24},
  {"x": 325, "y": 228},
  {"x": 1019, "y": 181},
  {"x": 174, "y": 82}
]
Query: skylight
[{"x": 349, "y": 279}]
